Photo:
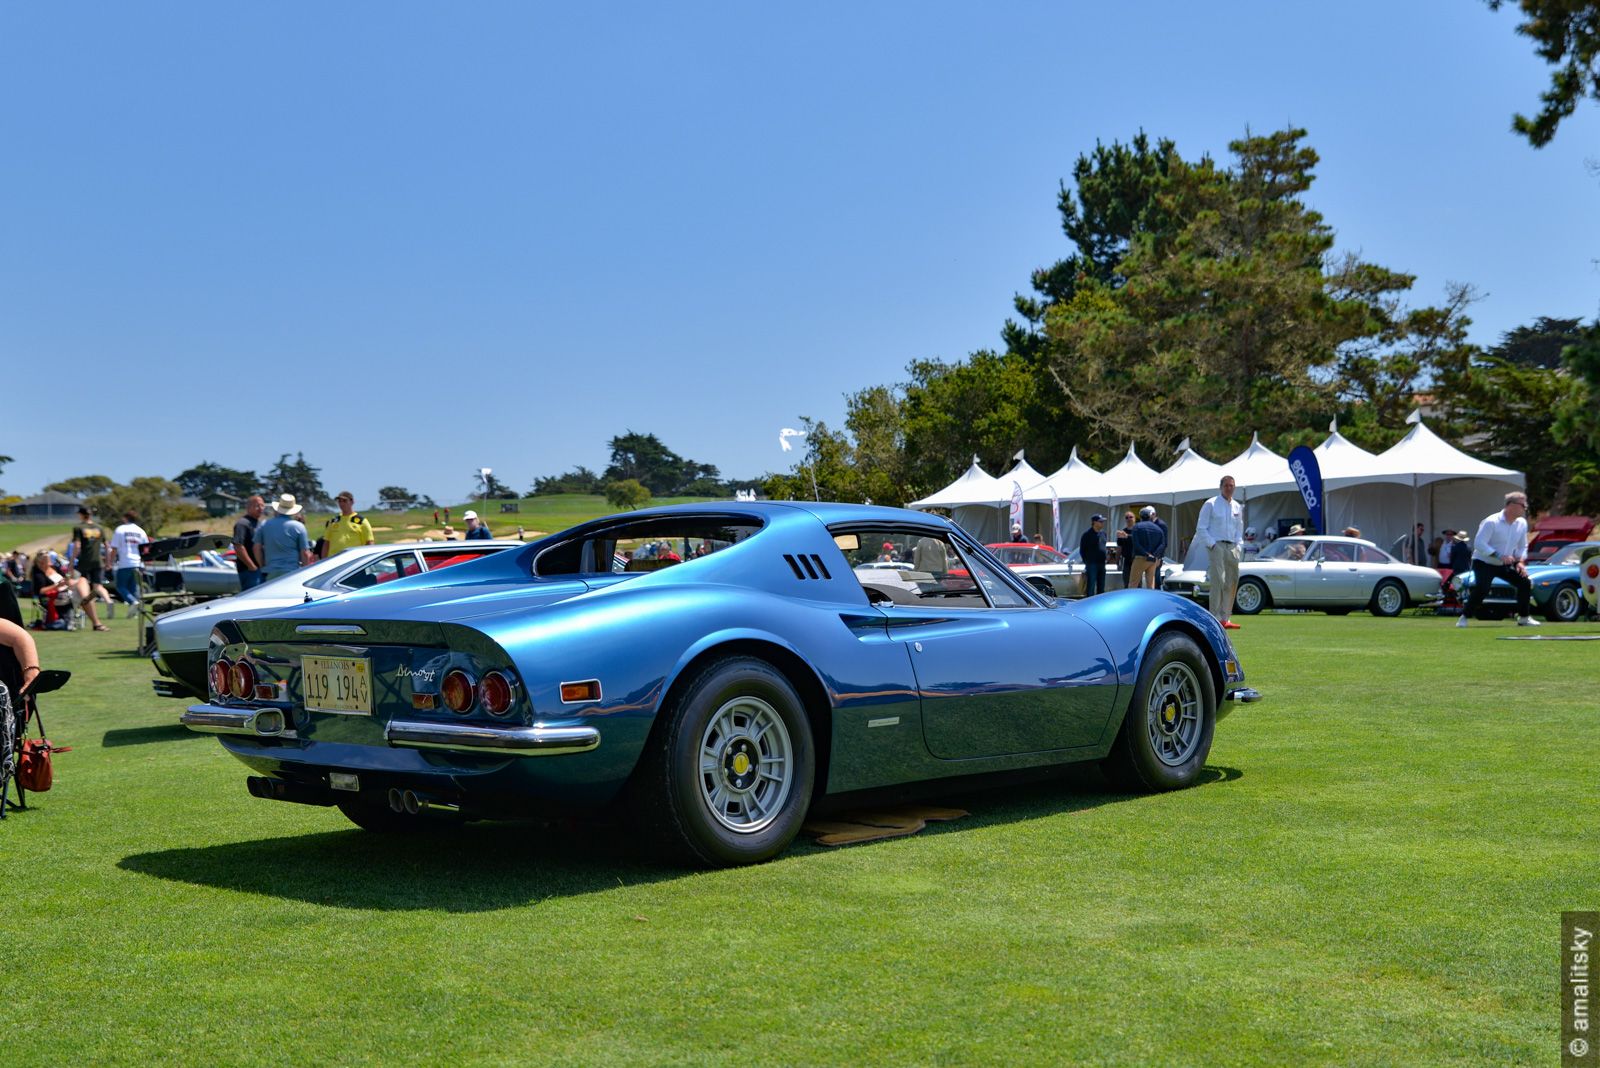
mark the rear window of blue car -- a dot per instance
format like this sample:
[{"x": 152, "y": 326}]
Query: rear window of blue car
[{"x": 648, "y": 543}]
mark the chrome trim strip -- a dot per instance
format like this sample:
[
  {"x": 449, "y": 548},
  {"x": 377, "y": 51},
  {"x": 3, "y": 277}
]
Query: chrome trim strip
[
  {"x": 252, "y": 722},
  {"x": 508, "y": 741},
  {"x": 887, "y": 721},
  {"x": 1243, "y": 693},
  {"x": 330, "y": 628}
]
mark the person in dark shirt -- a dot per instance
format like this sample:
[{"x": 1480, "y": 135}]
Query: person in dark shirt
[
  {"x": 476, "y": 528},
  {"x": 1149, "y": 543},
  {"x": 1125, "y": 548},
  {"x": 88, "y": 543},
  {"x": 245, "y": 558},
  {"x": 1459, "y": 554},
  {"x": 1092, "y": 548}
]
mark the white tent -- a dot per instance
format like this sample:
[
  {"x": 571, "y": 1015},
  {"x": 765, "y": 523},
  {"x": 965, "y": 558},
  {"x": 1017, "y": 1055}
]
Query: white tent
[
  {"x": 1079, "y": 488},
  {"x": 1424, "y": 479},
  {"x": 980, "y": 503}
]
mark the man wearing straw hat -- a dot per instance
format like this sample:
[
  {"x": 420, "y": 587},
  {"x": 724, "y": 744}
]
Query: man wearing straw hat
[{"x": 282, "y": 540}]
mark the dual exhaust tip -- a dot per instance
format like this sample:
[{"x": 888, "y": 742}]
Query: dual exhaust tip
[{"x": 409, "y": 802}]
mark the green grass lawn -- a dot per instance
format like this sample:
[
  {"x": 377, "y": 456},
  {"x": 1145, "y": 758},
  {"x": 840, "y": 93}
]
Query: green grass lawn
[
  {"x": 14, "y": 535},
  {"x": 1371, "y": 875}
]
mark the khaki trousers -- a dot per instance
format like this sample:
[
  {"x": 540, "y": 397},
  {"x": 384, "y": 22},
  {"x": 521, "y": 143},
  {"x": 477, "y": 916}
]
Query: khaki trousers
[
  {"x": 1144, "y": 573},
  {"x": 1223, "y": 575}
]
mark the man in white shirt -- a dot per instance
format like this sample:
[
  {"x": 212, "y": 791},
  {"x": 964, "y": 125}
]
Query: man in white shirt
[
  {"x": 1500, "y": 551},
  {"x": 125, "y": 543},
  {"x": 1220, "y": 530}
]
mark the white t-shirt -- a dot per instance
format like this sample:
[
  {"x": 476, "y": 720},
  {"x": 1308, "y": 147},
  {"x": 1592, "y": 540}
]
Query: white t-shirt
[{"x": 126, "y": 539}]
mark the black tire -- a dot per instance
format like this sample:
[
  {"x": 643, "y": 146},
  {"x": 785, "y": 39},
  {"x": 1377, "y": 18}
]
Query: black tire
[
  {"x": 731, "y": 814},
  {"x": 1251, "y": 597},
  {"x": 1134, "y": 763},
  {"x": 381, "y": 819},
  {"x": 1388, "y": 599},
  {"x": 1565, "y": 604}
]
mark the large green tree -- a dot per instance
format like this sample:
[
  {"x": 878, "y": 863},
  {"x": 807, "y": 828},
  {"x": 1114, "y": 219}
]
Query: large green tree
[
  {"x": 1566, "y": 35},
  {"x": 1235, "y": 315},
  {"x": 157, "y": 501},
  {"x": 299, "y": 478},
  {"x": 663, "y": 472},
  {"x": 206, "y": 478},
  {"x": 83, "y": 485}
]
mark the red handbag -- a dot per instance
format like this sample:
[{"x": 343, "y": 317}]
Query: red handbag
[{"x": 35, "y": 773}]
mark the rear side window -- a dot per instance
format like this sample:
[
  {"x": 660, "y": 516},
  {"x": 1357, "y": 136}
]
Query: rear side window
[
  {"x": 1369, "y": 555},
  {"x": 438, "y": 558},
  {"x": 651, "y": 543}
]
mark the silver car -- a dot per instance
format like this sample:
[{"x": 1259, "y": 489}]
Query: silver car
[
  {"x": 181, "y": 636},
  {"x": 1334, "y": 574}
]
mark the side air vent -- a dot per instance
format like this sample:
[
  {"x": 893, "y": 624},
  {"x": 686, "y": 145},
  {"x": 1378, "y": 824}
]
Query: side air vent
[{"x": 813, "y": 567}]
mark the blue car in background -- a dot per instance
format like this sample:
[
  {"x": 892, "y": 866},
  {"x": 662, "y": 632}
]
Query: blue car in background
[
  {"x": 1557, "y": 591},
  {"x": 718, "y": 668}
]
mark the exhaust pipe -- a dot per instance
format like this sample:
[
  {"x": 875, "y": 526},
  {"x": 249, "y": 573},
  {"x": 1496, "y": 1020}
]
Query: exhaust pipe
[
  {"x": 413, "y": 806},
  {"x": 396, "y": 803}
]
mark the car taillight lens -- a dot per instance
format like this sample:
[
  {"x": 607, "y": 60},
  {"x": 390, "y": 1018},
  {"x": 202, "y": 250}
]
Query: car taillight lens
[
  {"x": 221, "y": 677},
  {"x": 457, "y": 690},
  {"x": 495, "y": 693},
  {"x": 244, "y": 680}
]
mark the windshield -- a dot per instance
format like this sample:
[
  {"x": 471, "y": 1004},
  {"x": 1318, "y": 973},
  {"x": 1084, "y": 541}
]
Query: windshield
[
  {"x": 646, "y": 544},
  {"x": 1286, "y": 549}
]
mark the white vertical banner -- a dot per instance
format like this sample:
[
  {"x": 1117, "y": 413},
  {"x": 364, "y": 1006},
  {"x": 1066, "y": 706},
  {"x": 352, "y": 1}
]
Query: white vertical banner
[
  {"x": 1016, "y": 506},
  {"x": 1055, "y": 518}
]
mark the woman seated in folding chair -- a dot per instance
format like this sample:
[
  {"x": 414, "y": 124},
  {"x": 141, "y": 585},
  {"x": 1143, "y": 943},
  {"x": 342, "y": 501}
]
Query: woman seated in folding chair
[{"x": 60, "y": 596}]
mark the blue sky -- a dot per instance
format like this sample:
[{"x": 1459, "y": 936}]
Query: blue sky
[{"x": 411, "y": 240}]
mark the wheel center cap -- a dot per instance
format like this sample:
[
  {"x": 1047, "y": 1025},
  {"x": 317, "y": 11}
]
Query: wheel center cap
[
  {"x": 1169, "y": 713},
  {"x": 739, "y": 764}
]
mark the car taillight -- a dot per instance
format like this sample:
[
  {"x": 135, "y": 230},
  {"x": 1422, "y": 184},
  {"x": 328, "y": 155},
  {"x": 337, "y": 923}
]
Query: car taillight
[
  {"x": 495, "y": 693},
  {"x": 244, "y": 680},
  {"x": 221, "y": 677},
  {"x": 457, "y": 691}
]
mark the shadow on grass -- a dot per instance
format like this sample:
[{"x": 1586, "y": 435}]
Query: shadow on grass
[
  {"x": 488, "y": 866},
  {"x": 475, "y": 868},
  {"x": 165, "y": 732}
]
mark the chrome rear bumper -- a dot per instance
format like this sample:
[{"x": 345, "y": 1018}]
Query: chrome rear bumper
[
  {"x": 406, "y": 734},
  {"x": 1244, "y": 694}
]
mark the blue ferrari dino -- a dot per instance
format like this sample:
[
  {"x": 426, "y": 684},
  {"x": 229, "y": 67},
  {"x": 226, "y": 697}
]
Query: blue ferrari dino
[{"x": 718, "y": 667}]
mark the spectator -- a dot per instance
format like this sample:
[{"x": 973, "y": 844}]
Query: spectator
[
  {"x": 1459, "y": 555},
  {"x": 50, "y": 586},
  {"x": 19, "y": 643},
  {"x": 284, "y": 544},
  {"x": 1092, "y": 549},
  {"x": 1417, "y": 547},
  {"x": 1352, "y": 532},
  {"x": 16, "y": 568},
  {"x": 87, "y": 541},
  {"x": 348, "y": 528},
  {"x": 888, "y": 555},
  {"x": 126, "y": 543},
  {"x": 476, "y": 529},
  {"x": 1220, "y": 529},
  {"x": 1149, "y": 543},
  {"x": 245, "y": 558},
  {"x": 448, "y": 533},
  {"x": 1500, "y": 551},
  {"x": 520, "y": 534},
  {"x": 1125, "y": 548}
]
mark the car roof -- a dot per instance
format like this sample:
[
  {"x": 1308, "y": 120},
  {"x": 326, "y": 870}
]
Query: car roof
[{"x": 829, "y": 512}]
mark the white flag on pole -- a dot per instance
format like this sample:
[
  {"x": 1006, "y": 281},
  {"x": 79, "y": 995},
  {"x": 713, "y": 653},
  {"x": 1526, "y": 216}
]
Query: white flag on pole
[
  {"x": 1055, "y": 516},
  {"x": 1016, "y": 505}
]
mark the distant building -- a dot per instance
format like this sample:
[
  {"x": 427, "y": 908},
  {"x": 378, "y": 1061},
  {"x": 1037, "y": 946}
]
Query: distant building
[
  {"x": 219, "y": 504},
  {"x": 48, "y": 505}
]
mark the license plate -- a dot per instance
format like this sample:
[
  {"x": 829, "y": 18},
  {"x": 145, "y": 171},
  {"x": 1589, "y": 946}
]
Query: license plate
[{"x": 337, "y": 684}]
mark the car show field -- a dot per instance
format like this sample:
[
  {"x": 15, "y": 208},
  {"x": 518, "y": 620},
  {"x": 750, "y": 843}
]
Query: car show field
[{"x": 1369, "y": 872}]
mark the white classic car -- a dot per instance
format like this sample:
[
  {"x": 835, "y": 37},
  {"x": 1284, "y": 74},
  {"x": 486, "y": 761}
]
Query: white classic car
[
  {"x": 1334, "y": 574},
  {"x": 181, "y": 636}
]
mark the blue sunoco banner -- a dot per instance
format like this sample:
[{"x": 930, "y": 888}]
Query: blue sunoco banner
[{"x": 1308, "y": 476}]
